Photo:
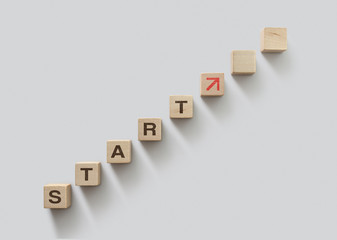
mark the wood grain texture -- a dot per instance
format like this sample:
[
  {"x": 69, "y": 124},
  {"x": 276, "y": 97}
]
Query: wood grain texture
[
  {"x": 181, "y": 106},
  {"x": 243, "y": 62},
  {"x": 149, "y": 129},
  {"x": 273, "y": 39},
  {"x": 118, "y": 151},
  {"x": 212, "y": 84},
  {"x": 87, "y": 173},
  {"x": 57, "y": 196}
]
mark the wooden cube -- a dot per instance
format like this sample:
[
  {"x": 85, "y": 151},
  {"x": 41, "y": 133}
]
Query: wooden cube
[
  {"x": 149, "y": 129},
  {"x": 212, "y": 84},
  {"x": 273, "y": 39},
  {"x": 57, "y": 195},
  {"x": 87, "y": 173},
  {"x": 243, "y": 62},
  {"x": 118, "y": 151},
  {"x": 181, "y": 106}
]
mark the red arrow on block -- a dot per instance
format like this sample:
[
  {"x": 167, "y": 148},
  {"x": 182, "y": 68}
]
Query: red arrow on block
[{"x": 215, "y": 81}]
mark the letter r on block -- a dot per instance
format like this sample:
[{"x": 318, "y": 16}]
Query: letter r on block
[{"x": 149, "y": 129}]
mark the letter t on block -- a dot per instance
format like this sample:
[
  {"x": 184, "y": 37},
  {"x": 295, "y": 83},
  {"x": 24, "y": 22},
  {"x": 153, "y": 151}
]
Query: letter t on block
[
  {"x": 181, "y": 106},
  {"x": 212, "y": 84},
  {"x": 149, "y": 129},
  {"x": 87, "y": 173},
  {"x": 118, "y": 151}
]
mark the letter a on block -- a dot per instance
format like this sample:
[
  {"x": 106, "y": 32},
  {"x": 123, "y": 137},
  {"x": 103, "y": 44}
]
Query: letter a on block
[
  {"x": 149, "y": 129},
  {"x": 57, "y": 195},
  {"x": 118, "y": 151},
  {"x": 212, "y": 84}
]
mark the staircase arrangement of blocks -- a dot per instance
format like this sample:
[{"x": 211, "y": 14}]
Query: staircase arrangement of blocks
[{"x": 88, "y": 174}]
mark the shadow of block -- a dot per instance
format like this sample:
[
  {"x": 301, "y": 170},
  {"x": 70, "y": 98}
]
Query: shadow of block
[
  {"x": 219, "y": 106},
  {"x": 251, "y": 85},
  {"x": 70, "y": 222},
  {"x": 280, "y": 62},
  {"x": 100, "y": 198},
  {"x": 162, "y": 152},
  {"x": 191, "y": 129},
  {"x": 130, "y": 174}
]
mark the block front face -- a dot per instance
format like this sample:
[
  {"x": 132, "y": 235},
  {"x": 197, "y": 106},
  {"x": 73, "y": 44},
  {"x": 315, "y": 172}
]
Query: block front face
[
  {"x": 149, "y": 129},
  {"x": 212, "y": 84},
  {"x": 181, "y": 106},
  {"x": 118, "y": 151},
  {"x": 243, "y": 62},
  {"x": 87, "y": 173},
  {"x": 57, "y": 195},
  {"x": 273, "y": 39}
]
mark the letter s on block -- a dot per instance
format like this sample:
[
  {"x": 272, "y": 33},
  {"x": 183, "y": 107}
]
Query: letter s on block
[{"x": 53, "y": 196}]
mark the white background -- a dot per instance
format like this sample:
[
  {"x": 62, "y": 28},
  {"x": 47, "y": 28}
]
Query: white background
[{"x": 258, "y": 163}]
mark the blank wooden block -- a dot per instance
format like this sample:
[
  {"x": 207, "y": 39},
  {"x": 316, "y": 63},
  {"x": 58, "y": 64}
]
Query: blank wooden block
[
  {"x": 118, "y": 151},
  {"x": 87, "y": 173},
  {"x": 273, "y": 39},
  {"x": 149, "y": 129},
  {"x": 212, "y": 84},
  {"x": 57, "y": 195},
  {"x": 181, "y": 106},
  {"x": 243, "y": 62}
]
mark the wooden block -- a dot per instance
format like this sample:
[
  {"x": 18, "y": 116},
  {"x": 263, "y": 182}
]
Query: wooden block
[
  {"x": 181, "y": 106},
  {"x": 149, "y": 129},
  {"x": 212, "y": 84},
  {"x": 57, "y": 195},
  {"x": 243, "y": 62},
  {"x": 118, "y": 151},
  {"x": 273, "y": 39},
  {"x": 87, "y": 173}
]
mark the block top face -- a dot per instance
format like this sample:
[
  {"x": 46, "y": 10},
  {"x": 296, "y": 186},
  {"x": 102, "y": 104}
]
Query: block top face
[
  {"x": 118, "y": 151},
  {"x": 181, "y": 106},
  {"x": 58, "y": 185},
  {"x": 212, "y": 84},
  {"x": 243, "y": 62},
  {"x": 273, "y": 39},
  {"x": 94, "y": 163},
  {"x": 149, "y": 129}
]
